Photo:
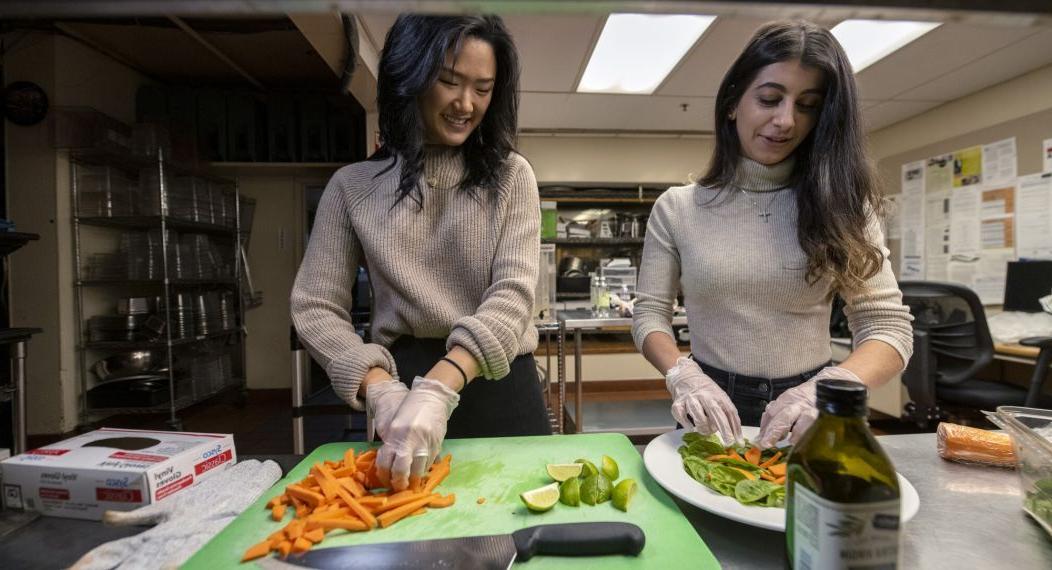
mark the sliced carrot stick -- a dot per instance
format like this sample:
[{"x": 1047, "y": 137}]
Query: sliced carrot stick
[
  {"x": 346, "y": 471},
  {"x": 330, "y": 514},
  {"x": 348, "y": 457},
  {"x": 442, "y": 502},
  {"x": 772, "y": 460},
  {"x": 359, "y": 476},
  {"x": 418, "y": 512},
  {"x": 767, "y": 476},
  {"x": 734, "y": 455},
  {"x": 315, "y": 536},
  {"x": 311, "y": 498},
  {"x": 256, "y": 550},
  {"x": 780, "y": 480},
  {"x": 777, "y": 470},
  {"x": 753, "y": 455},
  {"x": 281, "y": 499},
  {"x": 403, "y": 500},
  {"x": 352, "y": 486},
  {"x": 278, "y": 512},
  {"x": 373, "y": 501},
  {"x": 301, "y": 545},
  {"x": 345, "y": 524},
  {"x": 284, "y": 548},
  {"x": 719, "y": 456},
  {"x": 436, "y": 477},
  {"x": 326, "y": 480},
  {"x": 395, "y": 515},
  {"x": 414, "y": 484},
  {"x": 357, "y": 508},
  {"x": 295, "y": 528},
  {"x": 748, "y": 475}
]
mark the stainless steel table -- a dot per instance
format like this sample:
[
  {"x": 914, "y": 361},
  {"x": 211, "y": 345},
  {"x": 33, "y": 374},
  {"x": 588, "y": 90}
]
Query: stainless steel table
[
  {"x": 578, "y": 321},
  {"x": 970, "y": 517}
]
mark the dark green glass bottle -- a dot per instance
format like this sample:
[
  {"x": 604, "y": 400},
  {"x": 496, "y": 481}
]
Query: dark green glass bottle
[{"x": 842, "y": 495}]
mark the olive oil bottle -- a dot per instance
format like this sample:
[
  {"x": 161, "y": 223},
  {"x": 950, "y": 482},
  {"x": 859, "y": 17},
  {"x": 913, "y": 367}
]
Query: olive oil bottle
[{"x": 842, "y": 495}]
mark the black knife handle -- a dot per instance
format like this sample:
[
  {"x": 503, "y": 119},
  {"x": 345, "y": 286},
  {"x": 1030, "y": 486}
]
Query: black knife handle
[{"x": 579, "y": 539}]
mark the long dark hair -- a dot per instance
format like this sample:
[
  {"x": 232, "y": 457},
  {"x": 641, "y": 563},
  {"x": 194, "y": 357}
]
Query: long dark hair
[
  {"x": 836, "y": 189},
  {"x": 412, "y": 58}
]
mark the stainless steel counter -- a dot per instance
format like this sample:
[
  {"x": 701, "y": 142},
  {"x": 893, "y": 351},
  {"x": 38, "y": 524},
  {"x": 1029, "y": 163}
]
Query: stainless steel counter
[{"x": 970, "y": 517}]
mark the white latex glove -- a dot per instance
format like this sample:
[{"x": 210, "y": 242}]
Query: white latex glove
[
  {"x": 698, "y": 403},
  {"x": 795, "y": 410},
  {"x": 382, "y": 400},
  {"x": 185, "y": 522},
  {"x": 418, "y": 428}
]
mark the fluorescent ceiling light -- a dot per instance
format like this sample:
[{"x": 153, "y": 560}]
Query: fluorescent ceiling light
[
  {"x": 868, "y": 41},
  {"x": 636, "y": 51}
]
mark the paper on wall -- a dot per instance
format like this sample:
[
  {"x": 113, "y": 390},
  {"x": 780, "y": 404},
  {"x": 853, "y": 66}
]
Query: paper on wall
[
  {"x": 964, "y": 223},
  {"x": 1046, "y": 155},
  {"x": 1034, "y": 216},
  {"x": 999, "y": 161},
  {"x": 936, "y": 235},
  {"x": 911, "y": 221},
  {"x": 938, "y": 174},
  {"x": 892, "y": 222},
  {"x": 968, "y": 167},
  {"x": 989, "y": 278}
]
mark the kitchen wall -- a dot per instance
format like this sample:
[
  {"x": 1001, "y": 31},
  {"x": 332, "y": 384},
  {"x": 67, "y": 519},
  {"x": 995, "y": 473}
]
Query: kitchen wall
[{"x": 41, "y": 274}]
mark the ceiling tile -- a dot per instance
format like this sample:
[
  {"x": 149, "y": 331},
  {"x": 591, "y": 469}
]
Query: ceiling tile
[
  {"x": 1001, "y": 65},
  {"x": 614, "y": 112},
  {"x": 939, "y": 51},
  {"x": 702, "y": 70},
  {"x": 891, "y": 112}
]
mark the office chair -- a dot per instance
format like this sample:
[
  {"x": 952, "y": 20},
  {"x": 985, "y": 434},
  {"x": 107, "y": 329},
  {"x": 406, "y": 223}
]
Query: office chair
[{"x": 951, "y": 343}]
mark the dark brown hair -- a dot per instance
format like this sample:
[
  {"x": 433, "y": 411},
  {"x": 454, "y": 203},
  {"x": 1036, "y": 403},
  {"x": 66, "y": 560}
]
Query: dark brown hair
[{"x": 836, "y": 190}]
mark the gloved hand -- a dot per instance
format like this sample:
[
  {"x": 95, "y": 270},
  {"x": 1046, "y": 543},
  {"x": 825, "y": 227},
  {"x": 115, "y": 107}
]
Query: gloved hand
[
  {"x": 698, "y": 403},
  {"x": 185, "y": 522},
  {"x": 796, "y": 409},
  {"x": 382, "y": 400},
  {"x": 418, "y": 428}
]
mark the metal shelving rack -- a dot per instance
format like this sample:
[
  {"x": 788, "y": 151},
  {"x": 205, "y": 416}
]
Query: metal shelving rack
[{"x": 168, "y": 283}]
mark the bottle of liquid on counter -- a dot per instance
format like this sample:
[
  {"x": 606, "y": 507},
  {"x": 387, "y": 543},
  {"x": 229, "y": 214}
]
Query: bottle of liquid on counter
[
  {"x": 602, "y": 298},
  {"x": 593, "y": 292},
  {"x": 842, "y": 495}
]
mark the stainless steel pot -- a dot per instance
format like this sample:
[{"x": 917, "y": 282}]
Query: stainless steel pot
[{"x": 125, "y": 364}]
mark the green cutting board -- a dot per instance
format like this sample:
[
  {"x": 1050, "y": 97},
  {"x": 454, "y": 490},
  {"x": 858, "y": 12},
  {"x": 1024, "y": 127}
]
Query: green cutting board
[{"x": 497, "y": 469}]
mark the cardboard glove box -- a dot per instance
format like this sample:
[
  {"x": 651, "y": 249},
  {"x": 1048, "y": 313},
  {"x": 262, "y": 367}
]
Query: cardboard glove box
[{"x": 112, "y": 469}]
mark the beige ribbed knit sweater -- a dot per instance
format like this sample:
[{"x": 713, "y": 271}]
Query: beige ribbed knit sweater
[
  {"x": 749, "y": 307},
  {"x": 462, "y": 268}
]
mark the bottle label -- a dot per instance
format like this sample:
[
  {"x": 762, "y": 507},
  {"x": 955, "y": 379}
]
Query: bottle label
[{"x": 828, "y": 535}]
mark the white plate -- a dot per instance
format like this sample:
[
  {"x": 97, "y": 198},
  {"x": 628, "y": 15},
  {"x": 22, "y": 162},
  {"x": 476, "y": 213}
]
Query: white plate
[{"x": 666, "y": 467}]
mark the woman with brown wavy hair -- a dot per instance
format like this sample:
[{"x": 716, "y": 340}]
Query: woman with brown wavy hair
[{"x": 787, "y": 216}]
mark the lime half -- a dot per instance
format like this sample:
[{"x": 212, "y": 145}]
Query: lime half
[
  {"x": 623, "y": 493},
  {"x": 570, "y": 492},
  {"x": 587, "y": 468},
  {"x": 610, "y": 468},
  {"x": 563, "y": 471},
  {"x": 542, "y": 498}
]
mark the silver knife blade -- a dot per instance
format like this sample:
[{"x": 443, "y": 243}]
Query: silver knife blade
[{"x": 495, "y": 552}]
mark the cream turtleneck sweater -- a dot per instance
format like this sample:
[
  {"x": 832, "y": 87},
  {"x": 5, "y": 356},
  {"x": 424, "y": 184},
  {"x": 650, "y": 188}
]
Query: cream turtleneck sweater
[
  {"x": 749, "y": 307},
  {"x": 462, "y": 268}
]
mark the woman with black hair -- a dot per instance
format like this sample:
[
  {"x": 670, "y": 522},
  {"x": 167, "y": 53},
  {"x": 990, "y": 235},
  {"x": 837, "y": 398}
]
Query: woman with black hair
[
  {"x": 786, "y": 217},
  {"x": 447, "y": 218}
]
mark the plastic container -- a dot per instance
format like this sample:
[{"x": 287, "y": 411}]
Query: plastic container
[
  {"x": 549, "y": 220},
  {"x": 1031, "y": 431}
]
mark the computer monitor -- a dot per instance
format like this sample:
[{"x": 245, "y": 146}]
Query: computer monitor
[{"x": 1026, "y": 282}]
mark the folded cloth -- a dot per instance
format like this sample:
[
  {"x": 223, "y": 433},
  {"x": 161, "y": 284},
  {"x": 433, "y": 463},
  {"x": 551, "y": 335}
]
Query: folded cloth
[{"x": 185, "y": 522}]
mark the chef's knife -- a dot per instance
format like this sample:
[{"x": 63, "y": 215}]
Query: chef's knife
[{"x": 483, "y": 552}]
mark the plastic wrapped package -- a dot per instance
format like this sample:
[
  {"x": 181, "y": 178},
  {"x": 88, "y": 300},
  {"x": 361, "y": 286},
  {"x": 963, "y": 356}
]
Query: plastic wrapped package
[
  {"x": 971, "y": 445},
  {"x": 1031, "y": 433}
]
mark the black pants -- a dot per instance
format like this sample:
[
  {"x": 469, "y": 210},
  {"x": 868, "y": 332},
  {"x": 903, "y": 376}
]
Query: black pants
[
  {"x": 513, "y": 405},
  {"x": 751, "y": 394}
]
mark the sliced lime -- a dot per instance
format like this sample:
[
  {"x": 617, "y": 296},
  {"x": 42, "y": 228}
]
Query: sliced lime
[
  {"x": 623, "y": 493},
  {"x": 563, "y": 471},
  {"x": 588, "y": 468},
  {"x": 610, "y": 468},
  {"x": 542, "y": 498},
  {"x": 595, "y": 489},
  {"x": 570, "y": 492}
]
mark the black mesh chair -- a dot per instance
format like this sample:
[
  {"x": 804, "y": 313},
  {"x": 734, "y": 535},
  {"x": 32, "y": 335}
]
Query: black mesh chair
[{"x": 951, "y": 344}]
